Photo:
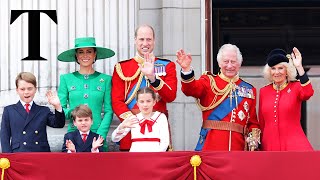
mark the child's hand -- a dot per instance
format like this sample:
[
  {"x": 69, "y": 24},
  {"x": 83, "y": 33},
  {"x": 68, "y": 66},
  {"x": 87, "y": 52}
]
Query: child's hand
[
  {"x": 53, "y": 99},
  {"x": 129, "y": 122},
  {"x": 70, "y": 146},
  {"x": 96, "y": 143}
]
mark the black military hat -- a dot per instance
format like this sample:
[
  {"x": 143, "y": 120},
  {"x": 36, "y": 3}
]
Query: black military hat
[{"x": 277, "y": 56}]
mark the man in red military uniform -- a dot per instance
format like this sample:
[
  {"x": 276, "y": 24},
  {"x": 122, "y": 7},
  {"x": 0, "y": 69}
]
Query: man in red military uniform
[
  {"x": 143, "y": 70},
  {"x": 227, "y": 102}
]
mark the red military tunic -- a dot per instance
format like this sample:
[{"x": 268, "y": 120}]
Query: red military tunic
[
  {"x": 217, "y": 106},
  {"x": 279, "y": 115},
  {"x": 127, "y": 75}
]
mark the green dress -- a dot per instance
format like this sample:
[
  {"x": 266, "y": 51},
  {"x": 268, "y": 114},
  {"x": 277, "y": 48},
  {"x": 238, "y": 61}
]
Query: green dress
[{"x": 93, "y": 90}]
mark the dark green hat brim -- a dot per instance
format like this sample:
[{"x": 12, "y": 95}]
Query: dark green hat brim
[{"x": 70, "y": 55}]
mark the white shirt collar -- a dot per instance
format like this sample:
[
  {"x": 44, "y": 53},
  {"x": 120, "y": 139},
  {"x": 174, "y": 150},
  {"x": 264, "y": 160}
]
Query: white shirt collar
[
  {"x": 24, "y": 104},
  {"x": 153, "y": 117},
  {"x": 84, "y": 132}
]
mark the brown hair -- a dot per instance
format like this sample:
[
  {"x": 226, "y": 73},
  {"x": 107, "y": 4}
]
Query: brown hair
[
  {"x": 94, "y": 50},
  {"x": 146, "y": 90},
  {"x": 81, "y": 111},
  {"x": 27, "y": 77}
]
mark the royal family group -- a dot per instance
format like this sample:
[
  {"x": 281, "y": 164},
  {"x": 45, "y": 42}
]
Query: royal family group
[{"x": 138, "y": 92}]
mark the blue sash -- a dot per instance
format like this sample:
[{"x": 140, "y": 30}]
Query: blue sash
[
  {"x": 134, "y": 100},
  {"x": 162, "y": 61},
  {"x": 221, "y": 112},
  {"x": 143, "y": 83}
]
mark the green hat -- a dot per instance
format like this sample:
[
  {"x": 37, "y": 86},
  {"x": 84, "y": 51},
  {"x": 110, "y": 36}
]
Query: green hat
[{"x": 85, "y": 42}]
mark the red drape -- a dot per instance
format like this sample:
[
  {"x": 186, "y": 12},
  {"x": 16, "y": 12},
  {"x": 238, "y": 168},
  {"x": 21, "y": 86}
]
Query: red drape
[{"x": 165, "y": 165}]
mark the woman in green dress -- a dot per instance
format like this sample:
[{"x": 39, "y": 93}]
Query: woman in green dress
[{"x": 87, "y": 86}]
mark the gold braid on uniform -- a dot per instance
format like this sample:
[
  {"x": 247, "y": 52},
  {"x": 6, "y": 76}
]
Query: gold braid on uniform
[
  {"x": 128, "y": 80},
  {"x": 121, "y": 75},
  {"x": 228, "y": 89},
  {"x": 135, "y": 89}
]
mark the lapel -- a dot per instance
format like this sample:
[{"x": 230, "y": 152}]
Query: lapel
[
  {"x": 33, "y": 111},
  {"x": 78, "y": 138},
  {"x": 83, "y": 146},
  {"x": 21, "y": 110}
]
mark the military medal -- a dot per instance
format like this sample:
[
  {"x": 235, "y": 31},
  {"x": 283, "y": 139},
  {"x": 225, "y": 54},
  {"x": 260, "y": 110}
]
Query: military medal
[
  {"x": 243, "y": 91},
  {"x": 160, "y": 69}
]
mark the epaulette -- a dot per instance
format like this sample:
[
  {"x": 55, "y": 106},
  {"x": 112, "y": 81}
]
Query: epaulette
[
  {"x": 208, "y": 73},
  {"x": 121, "y": 75}
]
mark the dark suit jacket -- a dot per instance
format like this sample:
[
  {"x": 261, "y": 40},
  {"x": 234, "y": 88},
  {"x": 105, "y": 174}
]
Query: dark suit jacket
[
  {"x": 23, "y": 132},
  {"x": 75, "y": 137}
]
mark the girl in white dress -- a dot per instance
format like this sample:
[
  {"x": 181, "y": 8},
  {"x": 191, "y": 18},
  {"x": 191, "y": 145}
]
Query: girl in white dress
[{"x": 149, "y": 130}]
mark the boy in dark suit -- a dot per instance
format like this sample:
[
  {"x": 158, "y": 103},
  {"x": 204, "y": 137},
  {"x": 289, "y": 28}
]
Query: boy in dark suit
[
  {"x": 82, "y": 139},
  {"x": 24, "y": 124}
]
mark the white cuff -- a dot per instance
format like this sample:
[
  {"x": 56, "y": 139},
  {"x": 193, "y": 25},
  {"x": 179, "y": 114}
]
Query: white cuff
[{"x": 187, "y": 73}]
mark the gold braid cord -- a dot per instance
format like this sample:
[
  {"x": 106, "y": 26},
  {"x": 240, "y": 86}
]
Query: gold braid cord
[
  {"x": 129, "y": 79},
  {"x": 135, "y": 89},
  {"x": 218, "y": 92},
  {"x": 121, "y": 75}
]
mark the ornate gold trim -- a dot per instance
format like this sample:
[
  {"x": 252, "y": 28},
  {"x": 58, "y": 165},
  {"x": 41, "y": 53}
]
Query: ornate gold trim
[
  {"x": 121, "y": 75},
  {"x": 225, "y": 78},
  {"x": 125, "y": 115},
  {"x": 279, "y": 87},
  {"x": 160, "y": 85},
  {"x": 305, "y": 84},
  {"x": 187, "y": 80},
  {"x": 139, "y": 59},
  {"x": 135, "y": 89},
  {"x": 218, "y": 92}
]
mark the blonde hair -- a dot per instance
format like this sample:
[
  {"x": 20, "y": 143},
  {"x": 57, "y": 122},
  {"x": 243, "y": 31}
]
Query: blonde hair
[{"x": 291, "y": 71}]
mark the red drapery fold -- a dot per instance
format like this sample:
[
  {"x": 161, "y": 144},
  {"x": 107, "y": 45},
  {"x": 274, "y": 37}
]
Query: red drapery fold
[{"x": 163, "y": 165}]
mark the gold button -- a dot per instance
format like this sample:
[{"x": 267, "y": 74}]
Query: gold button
[
  {"x": 24, "y": 143},
  {"x": 24, "y": 132}
]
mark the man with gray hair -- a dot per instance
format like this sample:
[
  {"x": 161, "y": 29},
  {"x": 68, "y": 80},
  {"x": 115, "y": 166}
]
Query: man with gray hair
[{"x": 228, "y": 103}]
